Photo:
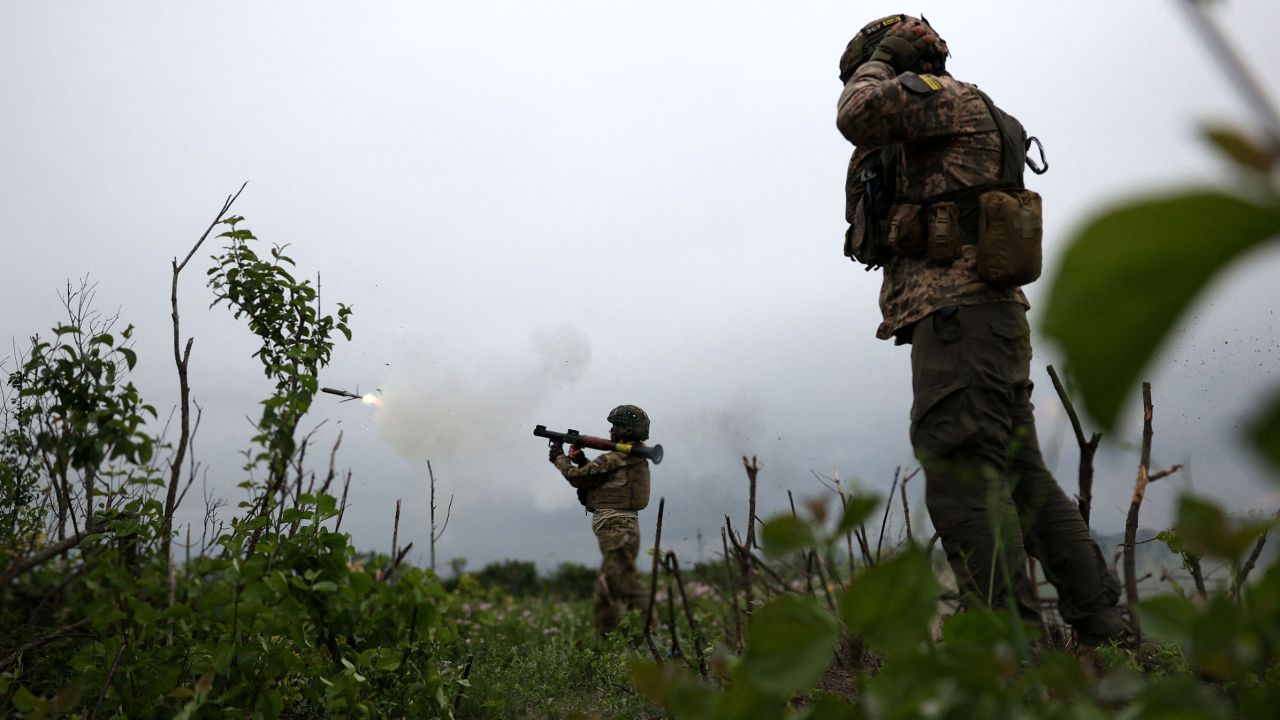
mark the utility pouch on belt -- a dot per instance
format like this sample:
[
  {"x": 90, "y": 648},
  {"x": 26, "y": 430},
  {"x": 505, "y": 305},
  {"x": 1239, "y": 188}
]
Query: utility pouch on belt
[
  {"x": 1009, "y": 234},
  {"x": 858, "y": 244},
  {"x": 944, "y": 233},
  {"x": 906, "y": 230}
]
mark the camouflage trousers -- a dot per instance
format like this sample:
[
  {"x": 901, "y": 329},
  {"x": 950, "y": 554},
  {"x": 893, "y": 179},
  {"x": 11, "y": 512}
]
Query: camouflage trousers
[
  {"x": 989, "y": 494},
  {"x": 618, "y": 585}
]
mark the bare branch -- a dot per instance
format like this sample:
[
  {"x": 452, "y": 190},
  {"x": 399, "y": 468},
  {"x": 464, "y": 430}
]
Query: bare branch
[
  {"x": 22, "y": 565},
  {"x": 653, "y": 583},
  {"x": 1131, "y": 522},
  {"x": 1088, "y": 449},
  {"x": 753, "y": 469}
]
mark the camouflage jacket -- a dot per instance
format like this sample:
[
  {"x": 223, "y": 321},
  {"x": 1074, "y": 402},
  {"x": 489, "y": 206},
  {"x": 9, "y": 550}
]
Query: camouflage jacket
[
  {"x": 614, "y": 481},
  {"x": 950, "y": 142}
]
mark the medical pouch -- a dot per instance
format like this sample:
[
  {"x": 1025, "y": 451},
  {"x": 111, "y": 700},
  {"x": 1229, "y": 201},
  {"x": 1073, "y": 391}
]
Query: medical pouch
[{"x": 1010, "y": 230}]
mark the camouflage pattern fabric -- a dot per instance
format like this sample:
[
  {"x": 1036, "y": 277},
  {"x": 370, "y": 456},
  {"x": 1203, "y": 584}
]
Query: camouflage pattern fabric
[
  {"x": 613, "y": 480},
  {"x": 988, "y": 491},
  {"x": 616, "y": 486},
  {"x": 618, "y": 585},
  {"x": 950, "y": 143}
]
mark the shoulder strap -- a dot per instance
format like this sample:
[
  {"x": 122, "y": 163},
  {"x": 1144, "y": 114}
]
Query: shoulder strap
[{"x": 1013, "y": 142}]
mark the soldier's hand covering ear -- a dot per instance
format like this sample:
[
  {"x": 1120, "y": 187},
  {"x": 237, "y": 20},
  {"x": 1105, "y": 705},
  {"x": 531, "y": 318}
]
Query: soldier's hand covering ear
[
  {"x": 902, "y": 47},
  {"x": 556, "y": 451}
]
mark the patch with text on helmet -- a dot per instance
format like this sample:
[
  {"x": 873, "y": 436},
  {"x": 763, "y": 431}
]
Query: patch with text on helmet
[
  {"x": 920, "y": 84},
  {"x": 882, "y": 24}
]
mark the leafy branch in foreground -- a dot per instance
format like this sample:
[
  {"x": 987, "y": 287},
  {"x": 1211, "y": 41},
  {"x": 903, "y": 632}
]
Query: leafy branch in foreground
[
  {"x": 1143, "y": 264},
  {"x": 296, "y": 343},
  {"x": 278, "y": 616}
]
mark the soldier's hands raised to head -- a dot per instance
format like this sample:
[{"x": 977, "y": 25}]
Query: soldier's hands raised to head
[{"x": 903, "y": 46}]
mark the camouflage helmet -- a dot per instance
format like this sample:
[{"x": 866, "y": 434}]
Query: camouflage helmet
[
  {"x": 863, "y": 45},
  {"x": 632, "y": 422}
]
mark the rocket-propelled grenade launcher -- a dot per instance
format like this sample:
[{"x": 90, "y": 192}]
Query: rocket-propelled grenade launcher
[
  {"x": 340, "y": 393},
  {"x": 573, "y": 437}
]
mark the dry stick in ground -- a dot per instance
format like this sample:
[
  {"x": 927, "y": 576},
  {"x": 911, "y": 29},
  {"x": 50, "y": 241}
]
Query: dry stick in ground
[
  {"x": 395, "y": 544},
  {"x": 674, "y": 566},
  {"x": 826, "y": 590},
  {"x": 906, "y": 509},
  {"x": 333, "y": 456},
  {"x": 1251, "y": 561},
  {"x": 182, "y": 359},
  {"x": 769, "y": 572},
  {"x": 744, "y": 567},
  {"x": 835, "y": 487},
  {"x": 676, "y": 651},
  {"x": 435, "y": 536},
  {"x": 864, "y": 544},
  {"x": 808, "y": 559},
  {"x": 885, "y": 520},
  {"x": 733, "y": 591},
  {"x": 928, "y": 548},
  {"x": 1139, "y": 491},
  {"x": 753, "y": 469},
  {"x": 342, "y": 504},
  {"x": 1088, "y": 448},
  {"x": 653, "y": 583},
  {"x": 1197, "y": 576}
]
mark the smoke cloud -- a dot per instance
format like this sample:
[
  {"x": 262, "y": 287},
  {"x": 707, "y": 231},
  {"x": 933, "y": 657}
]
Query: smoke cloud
[{"x": 453, "y": 413}]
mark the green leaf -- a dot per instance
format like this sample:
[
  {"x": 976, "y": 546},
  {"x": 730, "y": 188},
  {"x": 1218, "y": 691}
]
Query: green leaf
[
  {"x": 1239, "y": 148},
  {"x": 1175, "y": 697},
  {"x": 24, "y": 701},
  {"x": 1168, "y": 618},
  {"x": 784, "y": 534},
  {"x": 1207, "y": 530},
  {"x": 672, "y": 686},
  {"x": 1265, "y": 432},
  {"x": 789, "y": 644},
  {"x": 325, "y": 586},
  {"x": 891, "y": 604},
  {"x": 388, "y": 660},
  {"x": 856, "y": 511},
  {"x": 1140, "y": 266},
  {"x": 130, "y": 357}
]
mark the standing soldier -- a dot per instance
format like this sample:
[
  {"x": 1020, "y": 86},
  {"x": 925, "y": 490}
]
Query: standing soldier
[
  {"x": 614, "y": 488},
  {"x": 935, "y": 197}
]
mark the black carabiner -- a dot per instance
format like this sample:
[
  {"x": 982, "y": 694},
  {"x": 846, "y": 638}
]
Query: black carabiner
[{"x": 1043, "y": 166}]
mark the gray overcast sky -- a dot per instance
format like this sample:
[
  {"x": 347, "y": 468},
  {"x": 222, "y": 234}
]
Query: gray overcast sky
[{"x": 542, "y": 210}]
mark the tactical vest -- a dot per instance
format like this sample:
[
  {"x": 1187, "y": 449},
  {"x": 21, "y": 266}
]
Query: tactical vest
[
  {"x": 1001, "y": 217},
  {"x": 626, "y": 489}
]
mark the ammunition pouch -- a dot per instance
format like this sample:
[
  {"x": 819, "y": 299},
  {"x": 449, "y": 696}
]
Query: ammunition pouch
[
  {"x": 1010, "y": 229},
  {"x": 906, "y": 230},
  {"x": 945, "y": 234},
  {"x": 1001, "y": 218},
  {"x": 869, "y": 190}
]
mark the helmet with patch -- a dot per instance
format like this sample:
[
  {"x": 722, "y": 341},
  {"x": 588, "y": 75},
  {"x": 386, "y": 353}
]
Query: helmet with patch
[
  {"x": 631, "y": 422},
  {"x": 863, "y": 45}
]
